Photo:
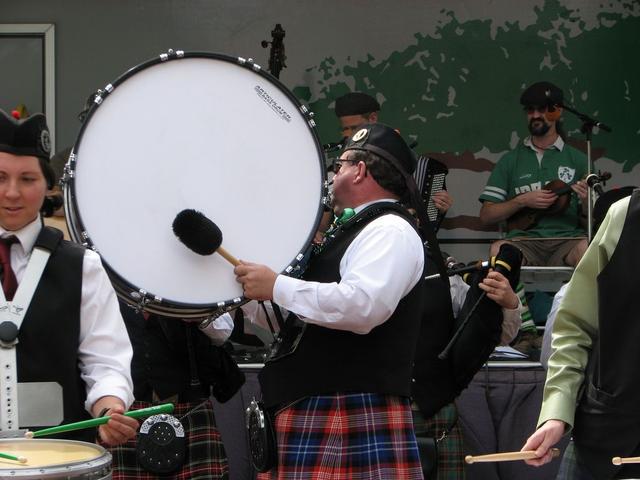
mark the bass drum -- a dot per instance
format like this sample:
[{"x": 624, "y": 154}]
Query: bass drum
[{"x": 198, "y": 131}]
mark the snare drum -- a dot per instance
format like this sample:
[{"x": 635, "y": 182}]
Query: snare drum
[
  {"x": 48, "y": 459},
  {"x": 194, "y": 131}
]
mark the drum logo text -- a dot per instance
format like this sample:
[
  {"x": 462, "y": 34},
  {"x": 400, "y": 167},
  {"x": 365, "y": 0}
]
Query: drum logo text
[{"x": 272, "y": 103}]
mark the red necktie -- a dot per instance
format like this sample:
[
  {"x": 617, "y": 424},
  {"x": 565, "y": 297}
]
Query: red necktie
[{"x": 9, "y": 282}]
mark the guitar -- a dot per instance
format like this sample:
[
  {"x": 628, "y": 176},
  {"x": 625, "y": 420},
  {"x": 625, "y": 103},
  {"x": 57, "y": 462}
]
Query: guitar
[{"x": 528, "y": 217}]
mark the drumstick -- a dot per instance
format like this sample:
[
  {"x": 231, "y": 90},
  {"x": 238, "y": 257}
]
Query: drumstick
[
  {"x": 621, "y": 460},
  {"x": 94, "y": 422},
  {"x": 13, "y": 457},
  {"x": 508, "y": 456},
  {"x": 200, "y": 234}
]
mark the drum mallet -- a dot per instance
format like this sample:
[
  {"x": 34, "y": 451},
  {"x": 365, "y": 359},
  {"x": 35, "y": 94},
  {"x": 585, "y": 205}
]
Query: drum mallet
[
  {"x": 200, "y": 234},
  {"x": 621, "y": 460},
  {"x": 508, "y": 456},
  {"x": 94, "y": 422}
]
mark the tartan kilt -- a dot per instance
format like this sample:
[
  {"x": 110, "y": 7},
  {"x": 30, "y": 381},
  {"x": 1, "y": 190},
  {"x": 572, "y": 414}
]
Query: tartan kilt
[
  {"x": 450, "y": 449},
  {"x": 205, "y": 455},
  {"x": 346, "y": 437}
]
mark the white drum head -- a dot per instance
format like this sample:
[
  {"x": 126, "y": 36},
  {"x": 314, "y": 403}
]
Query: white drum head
[{"x": 203, "y": 133}]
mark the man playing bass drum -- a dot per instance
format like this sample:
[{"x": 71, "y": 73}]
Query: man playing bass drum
[{"x": 520, "y": 178}]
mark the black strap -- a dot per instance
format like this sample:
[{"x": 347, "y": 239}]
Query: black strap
[
  {"x": 194, "y": 377},
  {"x": 278, "y": 313},
  {"x": 49, "y": 238}
]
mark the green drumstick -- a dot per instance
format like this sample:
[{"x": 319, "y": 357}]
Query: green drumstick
[
  {"x": 94, "y": 422},
  {"x": 13, "y": 457}
]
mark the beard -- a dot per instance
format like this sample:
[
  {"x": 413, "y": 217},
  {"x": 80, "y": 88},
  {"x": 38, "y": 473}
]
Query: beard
[{"x": 538, "y": 127}]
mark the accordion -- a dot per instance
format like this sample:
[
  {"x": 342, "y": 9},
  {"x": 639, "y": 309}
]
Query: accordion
[{"x": 430, "y": 177}]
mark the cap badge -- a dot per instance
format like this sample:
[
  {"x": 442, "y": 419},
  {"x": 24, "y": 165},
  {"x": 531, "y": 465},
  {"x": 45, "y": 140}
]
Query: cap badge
[{"x": 359, "y": 135}]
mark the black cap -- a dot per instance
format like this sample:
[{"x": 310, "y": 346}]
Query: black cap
[
  {"x": 541, "y": 94},
  {"x": 356, "y": 103},
  {"x": 385, "y": 142},
  {"x": 28, "y": 136}
]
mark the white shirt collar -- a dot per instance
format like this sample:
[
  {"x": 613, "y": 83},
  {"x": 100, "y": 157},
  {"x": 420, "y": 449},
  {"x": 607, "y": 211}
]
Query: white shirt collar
[
  {"x": 558, "y": 144},
  {"x": 27, "y": 235}
]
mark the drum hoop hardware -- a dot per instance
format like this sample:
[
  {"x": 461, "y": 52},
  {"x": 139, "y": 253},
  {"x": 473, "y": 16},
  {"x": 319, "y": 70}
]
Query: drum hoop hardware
[
  {"x": 171, "y": 54},
  {"x": 143, "y": 299},
  {"x": 69, "y": 169}
]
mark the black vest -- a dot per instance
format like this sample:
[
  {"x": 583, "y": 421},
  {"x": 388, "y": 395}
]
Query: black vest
[
  {"x": 161, "y": 357},
  {"x": 328, "y": 360},
  {"x": 607, "y": 421},
  {"x": 434, "y": 385},
  {"x": 47, "y": 349}
]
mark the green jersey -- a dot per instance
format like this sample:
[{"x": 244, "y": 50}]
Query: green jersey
[{"x": 519, "y": 171}]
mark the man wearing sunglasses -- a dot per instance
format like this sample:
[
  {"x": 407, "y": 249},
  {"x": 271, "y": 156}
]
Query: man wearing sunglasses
[
  {"x": 536, "y": 189},
  {"x": 518, "y": 188}
]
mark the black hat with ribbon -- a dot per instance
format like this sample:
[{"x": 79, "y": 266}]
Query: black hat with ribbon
[
  {"x": 385, "y": 142},
  {"x": 355, "y": 103},
  {"x": 27, "y": 137},
  {"x": 542, "y": 94}
]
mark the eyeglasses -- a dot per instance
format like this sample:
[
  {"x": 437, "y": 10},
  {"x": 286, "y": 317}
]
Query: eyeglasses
[{"x": 336, "y": 163}]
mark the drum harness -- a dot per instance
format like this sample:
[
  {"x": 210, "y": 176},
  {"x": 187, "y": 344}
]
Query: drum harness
[{"x": 11, "y": 317}]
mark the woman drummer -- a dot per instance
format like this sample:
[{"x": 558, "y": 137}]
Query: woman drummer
[{"x": 72, "y": 333}]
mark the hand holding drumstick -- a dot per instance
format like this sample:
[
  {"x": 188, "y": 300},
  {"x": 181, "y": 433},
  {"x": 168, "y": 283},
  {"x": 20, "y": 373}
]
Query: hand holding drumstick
[{"x": 542, "y": 440}]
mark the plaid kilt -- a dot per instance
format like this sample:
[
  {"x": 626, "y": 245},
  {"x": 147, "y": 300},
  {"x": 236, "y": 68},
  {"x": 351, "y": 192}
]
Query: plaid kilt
[
  {"x": 450, "y": 448},
  {"x": 205, "y": 455},
  {"x": 346, "y": 437}
]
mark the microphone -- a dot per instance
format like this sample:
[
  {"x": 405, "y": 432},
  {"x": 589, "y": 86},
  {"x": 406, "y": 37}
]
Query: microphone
[
  {"x": 50, "y": 204},
  {"x": 553, "y": 114},
  {"x": 200, "y": 234}
]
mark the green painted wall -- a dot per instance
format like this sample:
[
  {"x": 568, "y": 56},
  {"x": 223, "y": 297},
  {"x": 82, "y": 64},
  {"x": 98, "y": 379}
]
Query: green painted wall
[{"x": 457, "y": 90}]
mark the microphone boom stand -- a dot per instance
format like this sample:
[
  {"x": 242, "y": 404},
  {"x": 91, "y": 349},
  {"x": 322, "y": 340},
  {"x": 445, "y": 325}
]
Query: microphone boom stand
[{"x": 587, "y": 128}]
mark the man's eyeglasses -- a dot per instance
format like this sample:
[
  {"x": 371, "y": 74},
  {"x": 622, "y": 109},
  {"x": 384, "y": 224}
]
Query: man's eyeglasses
[{"x": 336, "y": 164}]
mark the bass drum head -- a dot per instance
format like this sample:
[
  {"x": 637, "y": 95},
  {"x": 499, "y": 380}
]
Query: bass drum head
[{"x": 202, "y": 132}]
